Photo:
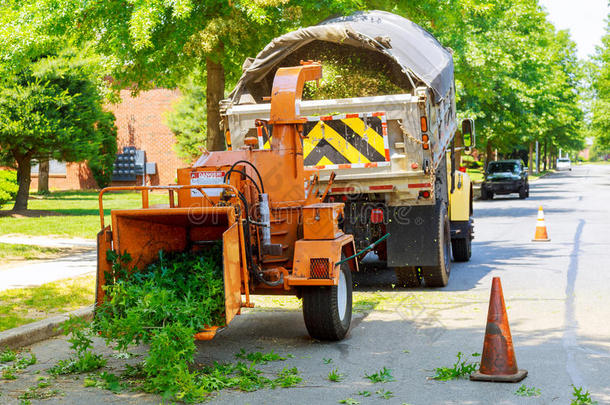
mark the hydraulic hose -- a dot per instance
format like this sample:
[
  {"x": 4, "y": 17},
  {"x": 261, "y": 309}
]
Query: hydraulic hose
[
  {"x": 366, "y": 249},
  {"x": 260, "y": 179}
]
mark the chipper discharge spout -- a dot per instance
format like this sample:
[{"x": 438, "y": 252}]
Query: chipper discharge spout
[{"x": 277, "y": 235}]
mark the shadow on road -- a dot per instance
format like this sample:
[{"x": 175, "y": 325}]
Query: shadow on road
[{"x": 489, "y": 256}]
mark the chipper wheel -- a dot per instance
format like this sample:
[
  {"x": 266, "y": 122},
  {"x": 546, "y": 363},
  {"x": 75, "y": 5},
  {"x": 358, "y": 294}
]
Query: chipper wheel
[{"x": 328, "y": 310}]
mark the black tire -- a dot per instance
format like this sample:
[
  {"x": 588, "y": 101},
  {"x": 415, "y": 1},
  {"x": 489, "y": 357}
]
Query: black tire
[
  {"x": 490, "y": 195},
  {"x": 408, "y": 276},
  {"x": 438, "y": 276},
  {"x": 462, "y": 249},
  {"x": 484, "y": 194},
  {"x": 523, "y": 192},
  {"x": 321, "y": 309}
]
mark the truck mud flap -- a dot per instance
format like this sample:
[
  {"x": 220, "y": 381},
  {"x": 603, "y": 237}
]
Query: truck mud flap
[{"x": 413, "y": 238}]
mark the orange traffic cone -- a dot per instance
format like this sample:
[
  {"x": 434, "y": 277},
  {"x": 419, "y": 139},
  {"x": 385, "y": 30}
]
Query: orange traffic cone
[
  {"x": 498, "y": 362},
  {"x": 541, "y": 235}
]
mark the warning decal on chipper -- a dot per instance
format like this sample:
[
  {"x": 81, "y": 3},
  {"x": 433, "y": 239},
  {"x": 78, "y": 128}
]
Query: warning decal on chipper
[
  {"x": 205, "y": 178},
  {"x": 342, "y": 141}
]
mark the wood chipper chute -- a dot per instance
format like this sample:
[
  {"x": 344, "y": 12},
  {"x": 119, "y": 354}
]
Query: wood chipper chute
[{"x": 278, "y": 236}]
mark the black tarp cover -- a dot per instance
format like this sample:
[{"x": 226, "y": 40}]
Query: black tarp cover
[{"x": 416, "y": 51}]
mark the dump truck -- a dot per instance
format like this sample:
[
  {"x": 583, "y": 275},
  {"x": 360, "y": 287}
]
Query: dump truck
[{"x": 390, "y": 158}]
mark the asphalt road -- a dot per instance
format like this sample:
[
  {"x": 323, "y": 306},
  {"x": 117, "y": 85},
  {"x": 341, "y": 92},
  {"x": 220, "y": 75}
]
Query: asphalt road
[{"x": 557, "y": 301}]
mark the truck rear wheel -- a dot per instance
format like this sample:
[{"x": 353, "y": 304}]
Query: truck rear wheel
[
  {"x": 408, "y": 276},
  {"x": 327, "y": 310},
  {"x": 462, "y": 249},
  {"x": 438, "y": 276}
]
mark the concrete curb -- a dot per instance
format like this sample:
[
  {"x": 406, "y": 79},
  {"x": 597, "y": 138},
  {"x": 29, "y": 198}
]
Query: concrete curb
[{"x": 31, "y": 333}]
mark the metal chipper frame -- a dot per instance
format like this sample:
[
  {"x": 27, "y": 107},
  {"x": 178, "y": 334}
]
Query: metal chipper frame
[{"x": 278, "y": 236}]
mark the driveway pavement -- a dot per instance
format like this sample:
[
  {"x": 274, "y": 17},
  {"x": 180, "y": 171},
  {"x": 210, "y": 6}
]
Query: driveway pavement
[{"x": 37, "y": 272}]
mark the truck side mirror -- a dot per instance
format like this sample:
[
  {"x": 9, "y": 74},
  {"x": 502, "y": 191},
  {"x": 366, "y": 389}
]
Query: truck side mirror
[{"x": 468, "y": 133}]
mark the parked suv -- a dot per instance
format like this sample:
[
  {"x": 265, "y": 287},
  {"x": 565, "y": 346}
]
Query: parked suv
[{"x": 505, "y": 177}]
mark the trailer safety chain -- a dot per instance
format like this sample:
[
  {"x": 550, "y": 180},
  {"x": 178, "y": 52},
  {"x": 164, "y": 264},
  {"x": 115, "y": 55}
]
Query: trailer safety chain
[
  {"x": 408, "y": 135},
  {"x": 419, "y": 142}
]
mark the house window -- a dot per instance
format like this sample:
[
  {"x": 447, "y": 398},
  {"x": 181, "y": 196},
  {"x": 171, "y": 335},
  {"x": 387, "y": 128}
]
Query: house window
[{"x": 55, "y": 167}]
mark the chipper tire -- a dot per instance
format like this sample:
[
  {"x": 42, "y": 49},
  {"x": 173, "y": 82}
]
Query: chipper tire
[
  {"x": 438, "y": 276},
  {"x": 408, "y": 276},
  {"x": 327, "y": 310}
]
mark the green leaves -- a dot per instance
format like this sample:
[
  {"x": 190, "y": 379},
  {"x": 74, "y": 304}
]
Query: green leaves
[
  {"x": 258, "y": 357},
  {"x": 525, "y": 391},
  {"x": 335, "y": 376},
  {"x": 382, "y": 376},
  {"x": 581, "y": 396},
  {"x": 600, "y": 107},
  {"x": 164, "y": 306},
  {"x": 16, "y": 362},
  {"x": 461, "y": 368},
  {"x": 81, "y": 343}
]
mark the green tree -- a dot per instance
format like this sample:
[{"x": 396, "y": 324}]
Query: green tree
[
  {"x": 601, "y": 87},
  {"x": 53, "y": 108},
  {"x": 151, "y": 43},
  {"x": 187, "y": 119},
  {"x": 514, "y": 73}
]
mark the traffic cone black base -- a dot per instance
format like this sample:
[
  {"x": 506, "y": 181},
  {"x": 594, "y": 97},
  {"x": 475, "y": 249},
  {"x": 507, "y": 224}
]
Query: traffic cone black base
[{"x": 511, "y": 378}]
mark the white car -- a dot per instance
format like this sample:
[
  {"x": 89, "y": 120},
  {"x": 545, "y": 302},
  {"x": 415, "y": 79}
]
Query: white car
[{"x": 564, "y": 164}]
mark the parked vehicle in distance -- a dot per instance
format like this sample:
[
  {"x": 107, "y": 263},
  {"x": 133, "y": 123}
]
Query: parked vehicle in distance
[
  {"x": 505, "y": 177},
  {"x": 564, "y": 164}
]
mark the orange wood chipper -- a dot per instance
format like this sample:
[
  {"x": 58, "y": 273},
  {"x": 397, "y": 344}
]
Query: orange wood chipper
[{"x": 278, "y": 236}]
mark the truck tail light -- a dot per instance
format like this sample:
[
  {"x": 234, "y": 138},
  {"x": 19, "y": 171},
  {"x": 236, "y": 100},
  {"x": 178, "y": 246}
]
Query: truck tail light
[
  {"x": 424, "y": 124},
  {"x": 424, "y": 193},
  {"x": 376, "y": 216},
  {"x": 425, "y": 138}
]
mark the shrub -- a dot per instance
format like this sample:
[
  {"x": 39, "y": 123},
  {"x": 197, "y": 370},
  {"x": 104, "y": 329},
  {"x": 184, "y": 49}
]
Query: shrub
[{"x": 8, "y": 186}]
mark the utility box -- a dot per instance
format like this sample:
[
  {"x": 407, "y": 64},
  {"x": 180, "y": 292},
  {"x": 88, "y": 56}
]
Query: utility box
[
  {"x": 140, "y": 162},
  {"x": 321, "y": 221},
  {"x": 151, "y": 168}
]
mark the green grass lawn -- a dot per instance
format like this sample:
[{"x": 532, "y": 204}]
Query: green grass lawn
[
  {"x": 76, "y": 213},
  {"x": 25, "y": 305},
  {"x": 27, "y": 252}
]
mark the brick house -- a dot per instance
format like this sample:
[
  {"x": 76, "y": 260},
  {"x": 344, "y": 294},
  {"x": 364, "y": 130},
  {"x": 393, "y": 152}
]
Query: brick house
[{"x": 141, "y": 124}]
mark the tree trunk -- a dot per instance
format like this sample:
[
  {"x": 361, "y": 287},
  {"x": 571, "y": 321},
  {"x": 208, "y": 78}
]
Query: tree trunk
[
  {"x": 545, "y": 157},
  {"x": 43, "y": 176},
  {"x": 530, "y": 163},
  {"x": 215, "y": 91},
  {"x": 24, "y": 167},
  {"x": 488, "y": 153},
  {"x": 538, "y": 160}
]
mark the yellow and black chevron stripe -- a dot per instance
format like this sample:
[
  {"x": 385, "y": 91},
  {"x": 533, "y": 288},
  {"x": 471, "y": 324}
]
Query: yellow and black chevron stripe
[{"x": 342, "y": 141}]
